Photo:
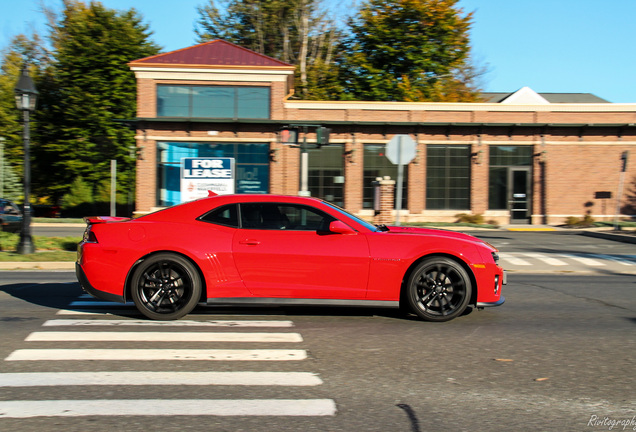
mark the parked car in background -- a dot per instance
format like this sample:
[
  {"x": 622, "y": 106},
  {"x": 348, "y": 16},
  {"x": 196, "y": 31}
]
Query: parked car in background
[
  {"x": 281, "y": 250},
  {"x": 10, "y": 216}
]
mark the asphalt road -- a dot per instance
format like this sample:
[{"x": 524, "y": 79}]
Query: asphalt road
[
  {"x": 558, "y": 355},
  {"x": 58, "y": 230},
  {"x": 560, "y": 252}
]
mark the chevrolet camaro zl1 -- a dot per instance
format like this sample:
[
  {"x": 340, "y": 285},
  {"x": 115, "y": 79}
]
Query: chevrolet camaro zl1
[{"x": 282, "y": 250}]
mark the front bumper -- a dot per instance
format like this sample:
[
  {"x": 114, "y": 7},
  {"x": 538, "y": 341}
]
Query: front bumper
[{"x": 499, "y": 302}]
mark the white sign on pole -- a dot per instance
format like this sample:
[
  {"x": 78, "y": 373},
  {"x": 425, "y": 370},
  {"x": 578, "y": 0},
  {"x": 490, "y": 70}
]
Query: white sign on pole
[
  {"x": 200, "y": 175},
  {"x": 401, "y": 150}
]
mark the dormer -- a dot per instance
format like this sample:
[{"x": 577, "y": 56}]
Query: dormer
[
  {"x": 212, "y": 80},
  {"x": 525, "y": 96}
]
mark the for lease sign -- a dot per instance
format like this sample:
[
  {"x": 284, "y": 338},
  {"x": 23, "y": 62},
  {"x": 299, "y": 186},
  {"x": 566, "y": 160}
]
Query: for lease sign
[{"x": 200, "y": 175}]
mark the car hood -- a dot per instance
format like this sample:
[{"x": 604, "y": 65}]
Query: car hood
[{"x": 433, "y": 232}]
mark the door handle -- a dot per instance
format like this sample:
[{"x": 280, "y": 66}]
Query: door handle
[{"x": 250, "y": 242}]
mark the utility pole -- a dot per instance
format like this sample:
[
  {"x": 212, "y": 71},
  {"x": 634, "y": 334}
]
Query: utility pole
[{"x": 2, "y": 140}]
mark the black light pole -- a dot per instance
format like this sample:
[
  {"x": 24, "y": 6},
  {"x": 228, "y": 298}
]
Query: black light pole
[{"x": 25, "y": 99}]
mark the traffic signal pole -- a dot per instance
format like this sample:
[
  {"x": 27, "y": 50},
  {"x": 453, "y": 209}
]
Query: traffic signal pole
[{"x": 289, "y": 135}]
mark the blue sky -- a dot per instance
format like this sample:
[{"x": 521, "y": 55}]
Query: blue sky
[{"x": 579, "y": 46}]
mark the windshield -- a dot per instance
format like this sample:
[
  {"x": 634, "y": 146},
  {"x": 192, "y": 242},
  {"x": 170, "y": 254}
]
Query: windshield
[{"x": 362, "y": 222}]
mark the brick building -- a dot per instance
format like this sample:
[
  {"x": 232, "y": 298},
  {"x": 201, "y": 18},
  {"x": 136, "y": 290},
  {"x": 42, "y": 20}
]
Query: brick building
[{"x": 518, "y": 158}]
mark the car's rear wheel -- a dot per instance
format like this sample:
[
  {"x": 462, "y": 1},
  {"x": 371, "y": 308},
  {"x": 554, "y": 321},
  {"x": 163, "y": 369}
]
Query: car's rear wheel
[
  {"x": 438, "y": 289},
  {"x": 166, "y": 287}
]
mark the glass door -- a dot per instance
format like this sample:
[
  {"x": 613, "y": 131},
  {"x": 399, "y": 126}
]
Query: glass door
[{"x": 519, "y": 202}]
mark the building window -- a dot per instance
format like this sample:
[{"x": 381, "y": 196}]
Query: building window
[
  {"x": 503, "y": 159},
  {"x": 251, "y": 163},
  {"x": 326, "y": 174},
  {"x": 231, "y": 102},
  {"x": 447, "y": 177},
  {"x": 377, "y": 165}
]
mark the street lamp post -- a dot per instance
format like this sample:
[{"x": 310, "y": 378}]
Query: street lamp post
[{"x": 25, "y": 99}]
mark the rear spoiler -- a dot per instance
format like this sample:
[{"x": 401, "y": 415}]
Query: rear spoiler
[{"x": 91, "y": 220}]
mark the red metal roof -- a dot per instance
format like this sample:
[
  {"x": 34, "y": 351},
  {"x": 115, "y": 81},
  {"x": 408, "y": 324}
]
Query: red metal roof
[{"x": 217, "y": 53}]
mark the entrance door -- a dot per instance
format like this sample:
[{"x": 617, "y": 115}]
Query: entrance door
[{"x": 519, "y": 202}]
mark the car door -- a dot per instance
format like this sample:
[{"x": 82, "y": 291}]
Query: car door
[
  {"x": 286, "y": 250},
  {"x": 11, "y": 217}
]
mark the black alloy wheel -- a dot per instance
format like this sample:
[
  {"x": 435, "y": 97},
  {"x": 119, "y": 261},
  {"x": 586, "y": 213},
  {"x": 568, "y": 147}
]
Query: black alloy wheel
[
  {"x": 439, "y": 289},
  {"x": 166, "y": 287}
]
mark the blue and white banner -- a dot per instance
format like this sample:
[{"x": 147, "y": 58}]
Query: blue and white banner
[{"x": 200, "y": 175}]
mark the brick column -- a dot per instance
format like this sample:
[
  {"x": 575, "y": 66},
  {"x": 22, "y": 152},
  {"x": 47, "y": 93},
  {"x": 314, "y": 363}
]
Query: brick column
[{"x": 387, "y": 192}]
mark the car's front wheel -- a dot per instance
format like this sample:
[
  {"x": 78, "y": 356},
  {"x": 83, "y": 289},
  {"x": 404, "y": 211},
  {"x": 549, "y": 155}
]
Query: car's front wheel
[
  {"x": 438, "y": 289},
  {"x": 166, "y": 287}
]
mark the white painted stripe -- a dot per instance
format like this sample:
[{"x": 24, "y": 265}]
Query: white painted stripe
[
  {"x": 545, "y": 258},
  {"x": 584, "y": 260},
  {"x": 126, "y": 311},
  {"x": 179, "y": 323},
  {"x": 98, "y": 303},
  {"x": 157, "y": 354},
  {"x": 513, "y": 260},
  {"x": 39, "y": 379},
  {"x": 163, "y": 337},
  {"x": 620, "y": 260},
  {"x": 168, "y": 407}
]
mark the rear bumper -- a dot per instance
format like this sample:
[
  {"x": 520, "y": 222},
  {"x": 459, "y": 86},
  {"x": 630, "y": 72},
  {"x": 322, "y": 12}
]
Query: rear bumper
[{"x": 90, "y": 289}]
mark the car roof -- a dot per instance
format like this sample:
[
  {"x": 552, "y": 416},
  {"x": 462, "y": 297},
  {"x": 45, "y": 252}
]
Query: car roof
[{"x": 198, "y": 207}]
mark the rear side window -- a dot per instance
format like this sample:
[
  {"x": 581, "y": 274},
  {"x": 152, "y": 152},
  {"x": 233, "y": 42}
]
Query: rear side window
[{"x": 226, "y": 216}]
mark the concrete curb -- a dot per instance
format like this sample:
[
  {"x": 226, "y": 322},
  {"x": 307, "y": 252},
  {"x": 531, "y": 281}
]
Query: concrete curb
[
  {"x": 624, "y": 238},
  {"x": 35, "y": 265}
]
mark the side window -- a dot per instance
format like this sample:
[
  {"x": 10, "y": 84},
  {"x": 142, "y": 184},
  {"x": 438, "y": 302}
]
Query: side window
[
  {"x": 304, "y": 218},
  {"x": 273, "y": 216},
  {"x": 226, "y": 215}
]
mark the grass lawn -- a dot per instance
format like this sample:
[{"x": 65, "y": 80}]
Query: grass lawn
[{"x": 48, "y": 248}]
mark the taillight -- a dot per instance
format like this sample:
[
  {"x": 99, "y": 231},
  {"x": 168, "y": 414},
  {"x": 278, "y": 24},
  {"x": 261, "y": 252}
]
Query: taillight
[{"x": 89, "y": 236}]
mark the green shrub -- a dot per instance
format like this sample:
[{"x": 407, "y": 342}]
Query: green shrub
[
  {"x": 476, "y": 219},
  {"x": 80, "y": 193}
]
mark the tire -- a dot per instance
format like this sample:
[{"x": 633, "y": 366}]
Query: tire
[
  {"x": 439, "y": 289},
  {"x": 166, "y": 287}
]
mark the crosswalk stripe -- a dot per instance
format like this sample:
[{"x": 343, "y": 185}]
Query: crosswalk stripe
[
  {"x": 97, "y": 303},
  {"x": 557, "y": 259},
  {"x": 121, "y": 311},
  {"x": 179, "y": 323},
  {"x": 171, "y": 407},
  {"x": 513, "y": 260},
  {"x": 545, "y": 258},
  {"x": 620, "y": 260},
  {"x": 584, "y": 260},
  {"x": 162, "y": 337},
  {"x": 145, "y": 378},
  {"x": 157, "y": 354}
]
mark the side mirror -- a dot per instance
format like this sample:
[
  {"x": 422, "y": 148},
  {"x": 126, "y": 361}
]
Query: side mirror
[{"x": 338, "y": 227}]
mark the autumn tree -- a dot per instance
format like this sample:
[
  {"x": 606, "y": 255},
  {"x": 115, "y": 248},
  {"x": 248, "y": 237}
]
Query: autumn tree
[
  {"x": 85, "y": 93},
  {"x": 293, "y": 31},
  {"x": 408, "y": 50}
]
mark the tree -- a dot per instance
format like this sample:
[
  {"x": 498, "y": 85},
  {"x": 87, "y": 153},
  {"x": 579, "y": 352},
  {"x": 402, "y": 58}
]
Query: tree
[
  {"x": 408, "y": 50},
  {"x": 21, "y": 50},
  {"x": 295, "y": 32},
  {"x": 84, "y": 93}
]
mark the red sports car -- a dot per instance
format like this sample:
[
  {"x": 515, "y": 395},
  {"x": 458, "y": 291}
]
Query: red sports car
[{"x": 282, "y": 250}]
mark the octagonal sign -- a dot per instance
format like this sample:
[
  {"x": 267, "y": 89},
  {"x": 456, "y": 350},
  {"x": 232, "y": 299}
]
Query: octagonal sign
[{"x": 401, "y": 150}]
